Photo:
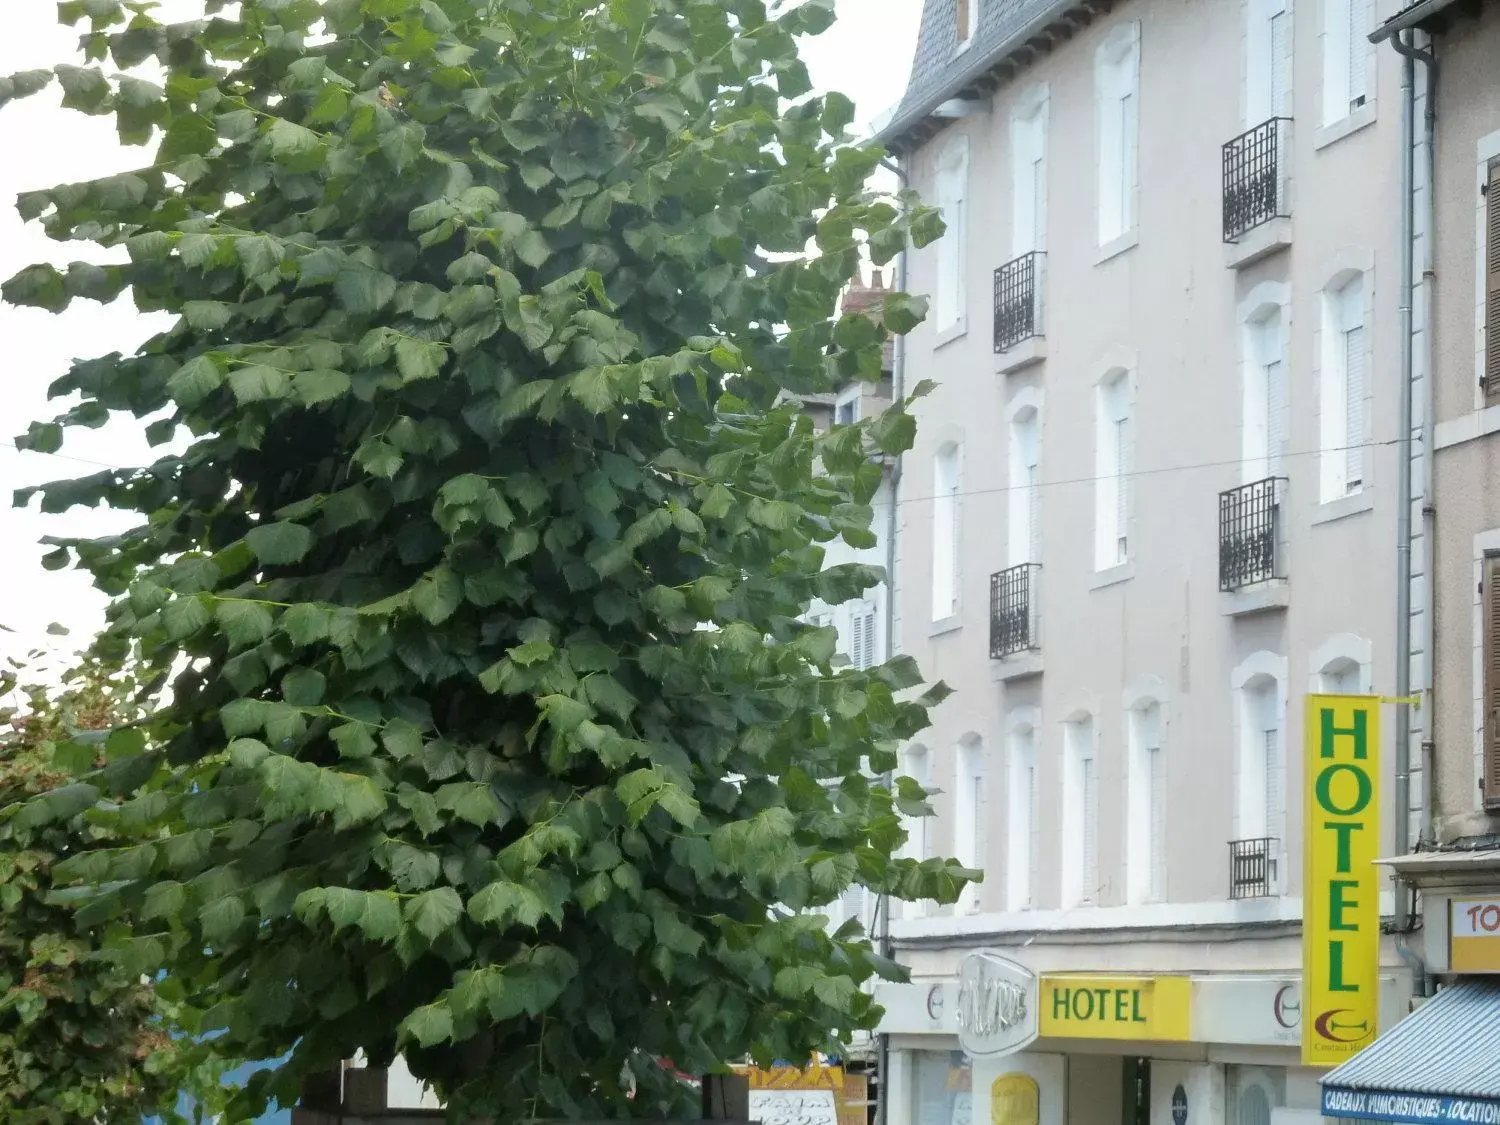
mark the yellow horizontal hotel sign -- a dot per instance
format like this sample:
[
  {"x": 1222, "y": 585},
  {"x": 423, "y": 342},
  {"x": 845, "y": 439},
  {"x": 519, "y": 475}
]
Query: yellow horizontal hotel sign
[
  {"x": 1341, "y": 888},
  {"x": 1082, "y": 1007},
  {"x": 1474, "y": 935}
]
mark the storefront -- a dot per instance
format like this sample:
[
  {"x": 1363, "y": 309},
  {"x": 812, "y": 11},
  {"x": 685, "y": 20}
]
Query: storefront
[{"x": 1109, "y": 1049}]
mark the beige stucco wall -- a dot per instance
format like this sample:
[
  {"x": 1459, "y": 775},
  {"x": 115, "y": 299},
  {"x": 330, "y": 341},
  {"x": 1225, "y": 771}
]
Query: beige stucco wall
[
  {"x": 1169, "y": 306},
  {"x": 1466, "y": 474}
]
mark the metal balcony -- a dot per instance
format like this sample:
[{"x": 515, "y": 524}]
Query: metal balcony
[
  {"x": 1013, "y": 611},
  {"x": 1018, "y": 301},
  {"x": 1255, "y": 165},
  {"x": 1249, "y": 534},
  {"x": 1252, "y": 867}
]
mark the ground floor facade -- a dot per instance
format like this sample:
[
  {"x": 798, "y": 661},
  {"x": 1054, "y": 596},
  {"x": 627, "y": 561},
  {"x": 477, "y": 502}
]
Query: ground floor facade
[{"x": 1186, "y": 1029}]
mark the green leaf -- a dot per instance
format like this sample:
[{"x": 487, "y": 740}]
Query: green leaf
[
  {"x": 287, "y": 138},
  {"x": 303, "y": 687},
  {"x": 501, "y": 904},
  {"x": 438, "y": 594},
  {"x": 427, "y": 1026},
  {"x": 419, "y": 359},
  {"x": 278, "y": 544},
  {"x": 244, "y": 623},
  {"x": 433, "y": 913}
]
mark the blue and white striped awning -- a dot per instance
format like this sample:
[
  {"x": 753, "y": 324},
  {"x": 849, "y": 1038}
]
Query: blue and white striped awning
[{"x": 1438, "y": 1066}]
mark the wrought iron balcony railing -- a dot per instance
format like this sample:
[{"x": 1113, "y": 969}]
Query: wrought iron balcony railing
[
  {"x": 1252, "y": 867},
  {"x": 1013, "y": 611},
  {"x": 1249, "y": 534},
  {"x": 1018, "y": 301},
  {"x": 1255, "y": 165}
]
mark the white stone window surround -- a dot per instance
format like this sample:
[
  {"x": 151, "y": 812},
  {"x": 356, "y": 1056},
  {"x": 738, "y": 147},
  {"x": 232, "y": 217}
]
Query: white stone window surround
[
  {"x": 1145, "y": 693},
  {"x": 1344, "y": 268}
]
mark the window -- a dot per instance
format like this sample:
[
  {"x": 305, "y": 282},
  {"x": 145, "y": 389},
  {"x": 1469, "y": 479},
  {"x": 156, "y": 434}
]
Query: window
[
  {"x": 1147, "y": 796},
  {"x": 1491, "y": 294},
  {"x": 860, "y": 641},
  {"x": 1340, "y": 678},
  {"x": 1344, "y": 388},
  {"x": 952, "y": 192},
  {"x": 1262, "y": 801},
  {"x": 1137, "y": 1099},
  {"x": 1264, "y": 434},
  {"x": 1112, "y": 473},
  {"x": 1081, "y": 814},
  {"x": 1490, "y": 680},
  {"x": 941, "y": 1087},
  {"x": 969, "y": 814},
  {"x": 1025, "y": 487},
  {"x": 945, "y": 533},
  {"x": 846, "y": 406},
  {"x": 1268, "y": 61},
  {"x": 1346, "y": 49},
  {"x": 1028, "y": 145},
  {"x": 1117, "y": 109},
  {"x": 1022, "y": 852},
  {"x": 966, "y": 21}
]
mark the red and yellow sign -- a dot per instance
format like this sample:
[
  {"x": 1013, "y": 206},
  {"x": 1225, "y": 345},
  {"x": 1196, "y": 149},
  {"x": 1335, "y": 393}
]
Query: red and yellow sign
[
  {"x": 1474, "y": 935},
  {"x": 1341, "y": 888}
]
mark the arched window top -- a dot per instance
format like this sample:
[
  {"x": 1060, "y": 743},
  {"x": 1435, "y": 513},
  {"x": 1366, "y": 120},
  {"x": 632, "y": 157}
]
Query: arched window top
[
  {"x": 1024, "y": 404},
  {"x": 1023, "y": 720},
  {"x": 1148, "y": 691},
  {"x": 1265, "y": 301},
  {"x": 1257, "y": 668}
]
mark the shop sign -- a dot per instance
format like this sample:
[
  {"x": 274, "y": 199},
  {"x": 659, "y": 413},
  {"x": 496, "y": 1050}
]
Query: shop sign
[
  {"x": 996, "y": 1008},
  {"x": 1015, "y": 1099},
  {"x": 1474, "y": 935},
  {"x": 789, "y": 1095},
  {"x": 1082, "y": 1007},
  {"x": 1415, "y": 1109},
  {"x": 1341, "y": 897}
]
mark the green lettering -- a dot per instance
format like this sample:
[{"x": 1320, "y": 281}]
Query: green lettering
[
  {"x": 1323, "y": 789},
  {"x": 1336, "y": 969},
  {"x": 1328, "y": 732},
  {"x": 1120, "y": 995},
  {"x": 1102, "y": 994},
  {"x": 1345, "y": 829},
  {"x": 1338, "y": 902},
  {"x": 1135, "y": 1007},
  {"x": 1083, "y": 1011},
  {"x": 1060, "y": 1000}
]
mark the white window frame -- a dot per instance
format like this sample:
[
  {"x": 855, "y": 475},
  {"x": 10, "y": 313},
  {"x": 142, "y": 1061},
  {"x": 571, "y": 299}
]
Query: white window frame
[
  {"x": 1263, "y": 341},
  {"x": 1337, "y": 657},
  {"x": 1145, "y": 708},
  {"x": 1346, "y": 305},
  {"x": 1023, "y": 825},
  {"x": 951, "y": 196},
  {"x": 965, "y": 33},
  {"x": 852, "y": 398},
  {"x": 1023, "y": 523},
  {"x": 1117, "y": 102},
  {"x": 1260, "y": 680},
  {"x": 1028, "y": 172},
  {"x": 859, "y": 632},
  {"x": 970, "y": 798},
  {"x": 947, "y": 486},
  {"x": 1080, "y": 885},
  {"x": 1348, "y": 59},
  {"x": 1113, "y": 468}
]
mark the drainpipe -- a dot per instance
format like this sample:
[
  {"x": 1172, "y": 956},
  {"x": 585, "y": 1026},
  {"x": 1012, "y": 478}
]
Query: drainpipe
[
  {"x": 898, "y": 386},
  {"x": 1406, "y": 906}
]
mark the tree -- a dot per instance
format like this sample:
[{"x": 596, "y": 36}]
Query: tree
[
  {"x": 80, "y": 1039},
  {"x": 495, "y": 736}
]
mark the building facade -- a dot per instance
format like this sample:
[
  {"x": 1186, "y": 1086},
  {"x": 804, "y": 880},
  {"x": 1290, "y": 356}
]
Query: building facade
[{"x": 1152, "y": 506}]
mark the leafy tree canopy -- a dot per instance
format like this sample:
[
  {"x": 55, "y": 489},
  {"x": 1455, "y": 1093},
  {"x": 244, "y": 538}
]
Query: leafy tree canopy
[
  {"x": 495, "y": 736},
  {"x": 80, "y": 1039}
]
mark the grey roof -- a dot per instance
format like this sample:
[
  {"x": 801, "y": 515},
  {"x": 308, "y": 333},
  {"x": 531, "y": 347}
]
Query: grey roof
[
  {"x": 1446, "y": 1047},
  {"x": 938, "y": 74}
]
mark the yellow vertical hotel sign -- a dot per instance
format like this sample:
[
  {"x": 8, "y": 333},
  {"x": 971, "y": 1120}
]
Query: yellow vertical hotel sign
[{"x": 1341, "y": 888}]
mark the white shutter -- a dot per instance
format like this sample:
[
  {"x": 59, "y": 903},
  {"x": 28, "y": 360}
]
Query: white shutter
[
  {"x": 944, "y": 533},
  {"x": 1090, "y": 797},
  {"x": 1354, "y": 407},
  {"x": 857, "y": 655},
  {"x": 1359, "y": 47},
  {"x": 1122, "y": 488},
  {"x": 1156, "y": 781},
  {"x": 1273, "y": 783},
  {"x": 1033, "y": 517},
  {"x": 1130, "y": 127},
  {"x": 867, "y": 622},
  {"x": 1280, "y": 28},
  {"x": 1033, "y": 831},
  {"x": 1275, "y": 416}
]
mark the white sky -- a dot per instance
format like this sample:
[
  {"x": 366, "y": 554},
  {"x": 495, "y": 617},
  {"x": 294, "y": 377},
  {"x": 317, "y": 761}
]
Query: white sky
[{"x": 866, "y": 54}]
